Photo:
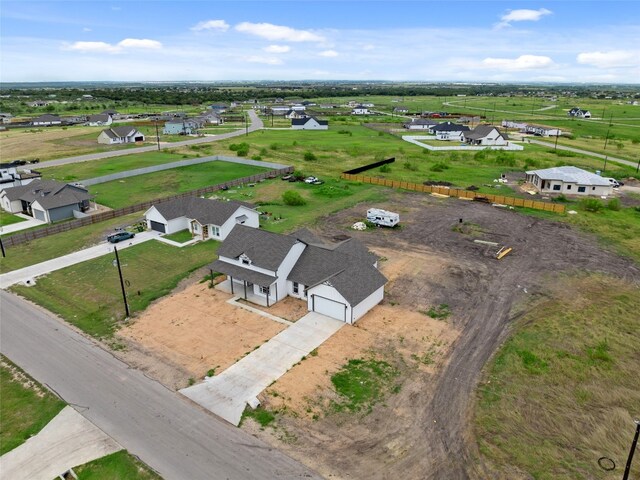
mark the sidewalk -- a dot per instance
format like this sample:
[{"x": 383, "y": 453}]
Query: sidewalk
[{"x": 16, "y": 227}]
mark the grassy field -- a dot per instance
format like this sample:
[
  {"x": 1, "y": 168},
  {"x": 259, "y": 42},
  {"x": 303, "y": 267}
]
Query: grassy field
[
  {"x": 25, "y": 408},
  {"x": 88, "y": 294},
  {"x": 53, "y": 246},
  {"x": 117, "y": 466},
  {"x": 7, "y": 218},
  {"x": 98, "y": 168},
  {"x": 141, "y": 188},
  {"x": 579, "y": 347}
]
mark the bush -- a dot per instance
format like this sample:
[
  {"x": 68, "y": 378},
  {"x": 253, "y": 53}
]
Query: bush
[
  {"x": 561, "y": 198},
  {"x": 310, "y": 156},
  {"x": 293, "y": 198},
  {"x": 345, "y": 132},
  {"x": 385, "y": 168},
  {"x": 256, "y": 157},
  {"x": 263, "y": 152},
  {"x": 410, "y": 166},
  {"x": 439, "y": 167},
  {"x": 591, "y": 205},
  {"x": 274, "y": 146},
  {"x": 614, "y": 204},
  {"x": 506, "y": 159},
  {"x": 241, "y": 149}
]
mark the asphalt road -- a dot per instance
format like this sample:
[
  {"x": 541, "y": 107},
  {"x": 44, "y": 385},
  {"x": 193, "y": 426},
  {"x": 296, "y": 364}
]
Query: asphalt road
[
  {"x": 256, "y": 124},
  {"x": 176, "y": 438}
]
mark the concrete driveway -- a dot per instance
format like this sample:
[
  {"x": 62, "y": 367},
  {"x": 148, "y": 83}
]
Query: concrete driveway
[
  {"x": 227, "y": 394},
  {"x": 31, "y": 272},
  {"x": 16, "y": 227},
  {"x": 67, "y": 441}
]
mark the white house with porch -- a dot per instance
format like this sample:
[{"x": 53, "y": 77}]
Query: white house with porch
[
  {"x": 569, "y": 181},
  {"x": 340, "y": 281},
  {"x": 204, "y": 218},
  {"x": 486, "y": 135}
]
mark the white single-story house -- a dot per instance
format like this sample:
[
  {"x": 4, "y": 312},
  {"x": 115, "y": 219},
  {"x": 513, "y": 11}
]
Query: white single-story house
[
  {"x": 513, "y": 124},
  {"x": 291, "y": 114},
  {"x": 420, "y": 124},
  {"x": 486, "y": 135},
  {"x": 182, "y": 127},
  {"x": 309, "y": 123},
  {"x": 204, "y": 218},
  {"x": 360, "y": 110},
  {"x": 124, "y": 134},
  {"x": 46, "y": 200},
  {"x": 450, "y": 131},
  {"x": 579, "y": 113},
  {"x": 11, "y": 177},
  {"x": 543, "y": 131},
  {"x": 400, "y": 109},
  {"x": 46, "y": 120},
  {"x": 569, "y": 181},
  {"x": 100, "y": 120},
  {"x": 280, "y": 109},
  {"x": 340, "y": 281}
]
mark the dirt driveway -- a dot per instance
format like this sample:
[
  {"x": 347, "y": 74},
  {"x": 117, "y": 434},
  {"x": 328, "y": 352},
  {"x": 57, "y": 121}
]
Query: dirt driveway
[{"x": 424, "y": 430}]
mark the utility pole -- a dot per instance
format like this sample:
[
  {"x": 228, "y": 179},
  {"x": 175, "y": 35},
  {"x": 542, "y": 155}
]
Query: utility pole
[
  {"x": 556, "y": 145},
  {"x": 4, "y": 253},
  {"x": 606, "y": 140},
  {"x": 157, "y": 135},
  {"x": 246, "y": 126},
  {"x": 124, "y": 293},
  {"x": 634, "y": 443}
]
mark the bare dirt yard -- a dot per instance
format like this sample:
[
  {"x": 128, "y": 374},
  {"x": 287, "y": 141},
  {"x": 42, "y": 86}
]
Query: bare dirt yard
[{"x": 422, "y": 428}]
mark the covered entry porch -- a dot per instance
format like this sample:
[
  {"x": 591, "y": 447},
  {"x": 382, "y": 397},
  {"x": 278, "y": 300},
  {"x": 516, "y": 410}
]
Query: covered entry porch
[{"x": 255, "y": 287}]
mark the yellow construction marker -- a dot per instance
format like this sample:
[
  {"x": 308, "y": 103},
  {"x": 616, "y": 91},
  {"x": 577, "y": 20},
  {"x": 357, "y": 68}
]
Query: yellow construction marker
[{"x": 502, "y": 252}]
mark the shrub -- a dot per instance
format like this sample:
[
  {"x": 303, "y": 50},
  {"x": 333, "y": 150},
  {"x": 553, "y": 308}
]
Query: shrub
[
  {"x": 256, "y": 157},
  {"x": 345, "y": 132},
  {"x": 410, "y": 166},
  {"x": 614, "y": 204},
  {"x": 241, "y": 149},
  {"x": 293, "y": 198},
  {"x": 439, "y": 167},
  {"x": 561, "y": 198},
  {"x": 506, "y": 159},
  {"x": 310, "y": 156},
  {"x": 263, "y": 152},
  {"x": 385, "y": 168},
  {"x": 274, "y": 146},
  {"x": 591, "y": 205}
]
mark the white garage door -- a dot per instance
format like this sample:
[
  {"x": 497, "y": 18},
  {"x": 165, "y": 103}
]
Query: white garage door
[{"x": 330, "y": 308}]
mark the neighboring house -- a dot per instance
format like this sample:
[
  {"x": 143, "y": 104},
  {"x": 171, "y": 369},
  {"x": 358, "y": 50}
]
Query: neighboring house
[
  {"x": 218, "y": 107},
  {"x": 100, "y": 120},
  {"x": 5, "y": 117},
  {"x": 38, "y": 103},
  {"x": 579, "y": 113},
  {"x": 46, "y": 120},
  {"x": 543, "y": 131},
  {"x": 400, "y": 109},
  {"x": 46, "y": 200},
  {"x": 309, "y": 123},
  {"x": 279, "y": 110},
  {"x": 569, "y": 181},
  {"x": 471, "y": 120},
  {"x": 211, "y": 118},
  {"x": 11, "y": 177},
  {"x": 513, "y": 124},
  {"x": 298, "y": 107},
  {"x": 360, "y": 110},
  {"x": 367, "y": 105},
  {"x": 204, "y": 218},
  {"x": 182, "y": 127},
  {"x": 111, "y": 112},
  {"x": 291, "y": 114},
  {"x": 116, "y": 135},
  {"x": 341, "y": 281},
  {"x": 420, "y": 124},
  {"x": 450, "y": 131},
  {"x": 486, "y": 135}
]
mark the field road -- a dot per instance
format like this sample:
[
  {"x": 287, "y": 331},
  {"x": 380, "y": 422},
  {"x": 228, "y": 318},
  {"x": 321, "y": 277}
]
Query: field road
[
  {"x": 174, "y": 437},
  {"x": 256, "y": 124},
  {"x": 585, "y": 152}
]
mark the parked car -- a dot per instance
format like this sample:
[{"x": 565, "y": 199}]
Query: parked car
[
  {"x": 614, "y": 183},
  {"x": 310, "y": 179},
  {"x": 286, "y": 177},
  {"x": 120, "y": 236}
]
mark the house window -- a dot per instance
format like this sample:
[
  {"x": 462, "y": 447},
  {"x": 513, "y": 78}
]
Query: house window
[
  {"x": 196, "y": 228},
  {"x": 582, "y": 189},
  {"x": 264, "y": 290},
  {"x": 557, "y": 187},
  {"x": 593, "y": 188},
  {"x": 568, "y": 187},
  {"x": 246, "y": 261},
  {"x": 295, "y": 287},
  {"x": 215, "y": 231}
]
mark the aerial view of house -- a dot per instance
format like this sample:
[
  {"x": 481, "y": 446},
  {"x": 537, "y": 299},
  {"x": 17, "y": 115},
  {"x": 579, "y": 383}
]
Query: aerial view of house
[
  {"x": 569, "y": 180},
  {"x": 123, "y": 134}
]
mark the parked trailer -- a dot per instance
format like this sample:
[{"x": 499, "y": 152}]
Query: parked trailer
[{"x": 383, "y": 217}]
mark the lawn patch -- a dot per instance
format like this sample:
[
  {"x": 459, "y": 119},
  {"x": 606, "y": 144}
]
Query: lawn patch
[
  {"x": 7, "y": 218},
  {"x": 181, "y": 237},
  {"x": 117, "y": 466},
  {"x": 261, "y": 415},
  {"x": 362, "y": 383}
]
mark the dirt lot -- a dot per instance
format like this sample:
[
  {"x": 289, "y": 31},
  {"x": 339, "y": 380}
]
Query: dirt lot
[{"x": 423, "y": 431}]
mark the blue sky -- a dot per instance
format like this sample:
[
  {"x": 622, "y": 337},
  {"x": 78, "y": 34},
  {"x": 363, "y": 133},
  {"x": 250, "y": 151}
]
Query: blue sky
[{"x": 446, "y": 40}]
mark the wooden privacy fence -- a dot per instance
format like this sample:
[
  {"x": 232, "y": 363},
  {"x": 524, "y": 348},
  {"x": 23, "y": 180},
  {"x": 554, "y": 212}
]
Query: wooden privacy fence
[
  {"x": 457, "y": 192},
  {"x": 27, "y": 236}
]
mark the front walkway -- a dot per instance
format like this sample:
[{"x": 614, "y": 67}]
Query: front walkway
[
  {"x": 227, "y": 394},
  {"x": 30, "y": 222},
  {"x": 67, "y": 441},
  {"x": 28, "y": 274}
]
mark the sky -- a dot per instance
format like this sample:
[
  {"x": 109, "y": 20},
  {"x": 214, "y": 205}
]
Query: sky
[{"x": 421, "y": 40}]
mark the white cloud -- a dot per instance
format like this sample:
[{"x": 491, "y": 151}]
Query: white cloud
[
  {"x": 522, "y": 15},
  {"x": 127, "y": 43},
  {"x": 328, "y": 53},
  {"x": 610, "y": 59},
  {"x": 86, "y": 29},
  {"x": 265, "y": 60},
  {"x": 219, "y": 25},
  {"x": 278, "y": 32},
  {"x": 277, "y": 48},
  {"x": 368, "y": 48},
  {"x": 523, "y": 62}
]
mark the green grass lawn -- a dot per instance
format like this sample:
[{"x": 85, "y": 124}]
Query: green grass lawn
[
  {"x": 7, "y": 218},
  {"x": 26, "y": 406},
  {"x": 181, "y": 237},
  {"x": 53, "y": 246},
  {"x": 117, "y": 466},
  {"x": 98, "y": 168},
  {"x": 562, "y": 391},
  {"x": 88, "y": 294},
  {"x": 141, "y": 188}
]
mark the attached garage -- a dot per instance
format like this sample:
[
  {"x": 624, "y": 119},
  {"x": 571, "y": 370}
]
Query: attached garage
[
  {"x": 39, "y": 215},
  {"x": 328, "y": 307},
  {"x": 158, "y": 227}
]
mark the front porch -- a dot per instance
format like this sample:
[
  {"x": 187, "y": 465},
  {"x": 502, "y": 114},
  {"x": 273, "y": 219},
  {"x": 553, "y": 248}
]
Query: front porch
[{"x": 243, "y": 290}]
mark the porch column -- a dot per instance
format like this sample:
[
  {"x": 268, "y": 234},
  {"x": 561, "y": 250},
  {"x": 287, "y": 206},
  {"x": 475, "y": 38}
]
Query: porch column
[
  {"x": 268, "y": 295},
  {"x": 244, "y": 282},
  {"x": 276, "y": 292},
  {"x": 231, "y": 280}
]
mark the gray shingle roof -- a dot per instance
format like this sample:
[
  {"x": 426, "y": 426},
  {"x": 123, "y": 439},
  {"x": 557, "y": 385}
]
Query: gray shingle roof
[
  {"x": 421, "y": 121},
  {"x": 47, "y": 117},
  {"x": 207, "y": 212},
  {"x": 264, "y": 249},
  {"x": 100, "y": 117},
  {"x": 481, "y": 131},
  {"x": 570, "y": 175},
  {"x": 450, "y": 127},
  {"x": 48, "y": 193},
  {"x": 240, "y": 273},
  {"x": 303, "y": 121},
  {"x": 120, "y": 132}
]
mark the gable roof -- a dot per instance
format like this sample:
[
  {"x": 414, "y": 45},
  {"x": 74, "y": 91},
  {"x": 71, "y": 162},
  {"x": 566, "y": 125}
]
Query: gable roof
[
  {"x": 47, "y": 117},
  {"x": 48, "y": 193},
  {"x": 120, "y": 132},
  {"x": 264, "y": 249},
  {"x": 570, "y": 175},
  {"x": 421, "y": 121},
  {"x": 450, "y": 127},
  {"x": 482, "y": 131},
  {"x": 303, "y": 121},
  {"x": 204, "y": 210},
  {"x": 100, "y": 117}
]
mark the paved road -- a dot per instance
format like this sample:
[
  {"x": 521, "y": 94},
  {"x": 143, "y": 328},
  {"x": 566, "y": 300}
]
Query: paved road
[
  {"x": 176, "y": 438},
  {"x": 33, "y": 271},
  {"x": 256, "y": 124},
  {"x": 585, "y": 152}
]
